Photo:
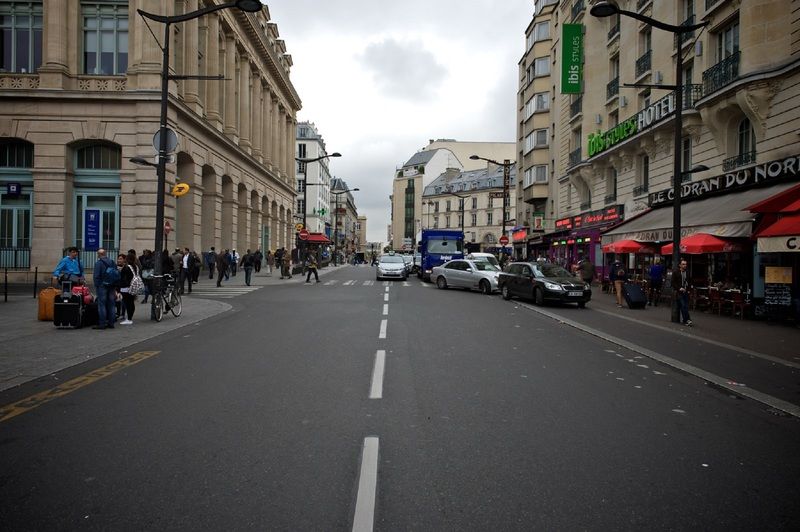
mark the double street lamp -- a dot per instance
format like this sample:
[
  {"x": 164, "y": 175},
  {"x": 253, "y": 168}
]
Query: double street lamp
[
  {"x": 608, "y": 9},
  {"x": 336, "y": 223},
  {"x": 248, "y": 6},
  {"x": 506, "y": 164}
]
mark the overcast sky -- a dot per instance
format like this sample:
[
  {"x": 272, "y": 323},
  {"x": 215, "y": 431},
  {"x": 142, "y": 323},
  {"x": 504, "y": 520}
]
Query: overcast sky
[{"x": 381, "y": 78}]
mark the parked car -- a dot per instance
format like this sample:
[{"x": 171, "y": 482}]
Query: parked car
[
  {"x": 470, "y": 274},
  {"x": 409, "y": 262},
  {"x": 543, "y": 281},
  {"x": 484, "y": 256},
  {"x": 391, "y": 266}
]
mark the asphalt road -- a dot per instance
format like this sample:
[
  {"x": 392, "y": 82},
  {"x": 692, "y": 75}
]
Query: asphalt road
[{"x": 487, "y": 416}]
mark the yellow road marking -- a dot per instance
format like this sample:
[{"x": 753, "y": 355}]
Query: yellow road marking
[{"x": 29, "y": 403}]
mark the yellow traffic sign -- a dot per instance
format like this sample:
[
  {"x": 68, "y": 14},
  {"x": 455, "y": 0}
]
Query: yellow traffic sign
[{"x": 298, "y": 227}]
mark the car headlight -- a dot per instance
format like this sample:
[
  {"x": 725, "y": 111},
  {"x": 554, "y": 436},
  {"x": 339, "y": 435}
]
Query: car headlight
[
  {"x": 553, "y": 286},
  {"x": 587, "y": 287}
]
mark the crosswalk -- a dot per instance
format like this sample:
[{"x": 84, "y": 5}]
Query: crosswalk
[
  {"x": 223, "y": 292},
  {"x": 352, "y": 282}
]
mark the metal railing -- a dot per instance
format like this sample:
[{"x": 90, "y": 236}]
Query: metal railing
[
  {"x": 586, "y": 205},
  {"x": 576, "y": 106},
  {"x": 15, "y": 258},
  {"x": 691, "y": 94},
  {"x": 89, "y": 257},
  {"x": 641, "y": 3},
  {"x": 612, "y": 89},
  {"x": 689, "y": 35},
  {"x": 614, "y": 31},
  {"x": 575, "y": 156},
  {"x": 643, "y": 64},
  {"x": 640, "y": 190},
  {"x": 740, "y": 160},
  {"x": 577, "y": 8},
  {"x": 721, "y": 74},
  {"x": 610, "y": 198}
]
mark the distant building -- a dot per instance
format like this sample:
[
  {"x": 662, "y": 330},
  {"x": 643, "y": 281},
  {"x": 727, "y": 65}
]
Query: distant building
[
  {"x": 345, "y": 216},
  {"x": 361, "y": 234},
  {"x": 317, "y": 176}
]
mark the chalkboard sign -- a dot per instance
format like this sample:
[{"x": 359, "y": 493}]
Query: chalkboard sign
[{"x": 777, "y": 294}]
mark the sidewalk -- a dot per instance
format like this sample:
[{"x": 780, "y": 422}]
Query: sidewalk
[
  {"x": 32, "y": 349},
  {"x": 771, "y": 338}
]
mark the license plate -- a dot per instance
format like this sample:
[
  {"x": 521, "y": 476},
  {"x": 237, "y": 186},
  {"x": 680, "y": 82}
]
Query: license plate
[{"x": 574, "y": 294}]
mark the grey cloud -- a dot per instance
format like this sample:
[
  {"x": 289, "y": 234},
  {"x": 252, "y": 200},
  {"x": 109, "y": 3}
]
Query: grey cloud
[{"x": 403, "y": 70}]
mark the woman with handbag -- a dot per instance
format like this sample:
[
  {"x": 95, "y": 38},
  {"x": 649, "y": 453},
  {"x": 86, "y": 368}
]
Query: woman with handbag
[{"x": 131, "y": 285}]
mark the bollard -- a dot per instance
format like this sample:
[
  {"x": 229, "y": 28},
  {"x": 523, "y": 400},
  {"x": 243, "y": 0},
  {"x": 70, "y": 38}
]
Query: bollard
[
  {"x": 35, "y": 281},
  {"x": 5, "y": 287}
]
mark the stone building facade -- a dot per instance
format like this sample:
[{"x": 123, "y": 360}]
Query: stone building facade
[
  {"x": 317, "y": 176},
  {"x": 81, "y": 96}
]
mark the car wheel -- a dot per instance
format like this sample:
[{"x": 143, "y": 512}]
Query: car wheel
[
  {"x": 581, "y": 304},
  {"x": 505, "y": 292},
  {"x": 538, "y": 296},
  {"x": 485, "y": 287},
  {"x": 441, "y": 282}
]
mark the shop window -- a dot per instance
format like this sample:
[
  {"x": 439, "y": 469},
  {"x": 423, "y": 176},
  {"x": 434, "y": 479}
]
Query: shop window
[
  {"x": 20, "y": 36},
  {"x": 105, "y": 37}
]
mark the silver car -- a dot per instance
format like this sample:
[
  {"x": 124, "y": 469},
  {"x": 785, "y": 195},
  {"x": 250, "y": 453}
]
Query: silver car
[
  {"x": 463, "y": 273},
  {"x": 391, "y": 266}
]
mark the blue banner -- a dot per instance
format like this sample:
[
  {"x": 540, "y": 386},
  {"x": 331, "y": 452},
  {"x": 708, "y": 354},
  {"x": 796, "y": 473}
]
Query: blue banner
[{"x": 91, "y": 229}]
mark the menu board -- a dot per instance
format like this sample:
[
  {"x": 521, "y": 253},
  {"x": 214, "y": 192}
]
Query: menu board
[
  {"x": 777, "y": 294},
  {"x": 778, "y": 274}
]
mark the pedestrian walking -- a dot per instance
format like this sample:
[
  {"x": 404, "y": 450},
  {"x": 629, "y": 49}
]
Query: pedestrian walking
[
  {"x": 235, "y": 258},
  {"x": 681, "y": 286},
  {"x": 106, "y": 280},
  {"x": 129, "y": 271},
  {"x": 587, "y": 271},
  {"x": 187, "y": 264},
  {"x": 195, "y": 269},
  {"x": 228, "y": 258},
  {"x": 286, "y": 263},
  {"x": 258, "y": 257},
  {"x": 247, "y": 263},
  {"x": 177, "y": 263},
  {"x": 211, "y": 262},
  {"x": 222, "y": 268},
  {"x": 270, "y": 262},
  {"x": 656, "y": 282},
  {"x": 147, "y": 261},
  {"x": 311, "y": 266},
  {"x": 618, "y": 276},
  {"x": 118, "y": 304}
]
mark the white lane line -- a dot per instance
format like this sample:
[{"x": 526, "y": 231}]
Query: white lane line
[
  {"x": 376, "y": 390},
  {"x": 386, "y": 309},
  {"x": 386, "y": 297},
  {"x": 405, "y": 283},
  {"x": 364, "y": 517},
  {"x": 382, "y": 334},
  {"x": 386, "y": 283},
  {"x": 349, "y": 283},
  {"x": 332, "y": 281},
  {"x": 387, "y": 289}
]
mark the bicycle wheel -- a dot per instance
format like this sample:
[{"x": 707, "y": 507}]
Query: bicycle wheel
[
  {"x": 158, "y": 306},
  {"x": 175, "y": 304}
]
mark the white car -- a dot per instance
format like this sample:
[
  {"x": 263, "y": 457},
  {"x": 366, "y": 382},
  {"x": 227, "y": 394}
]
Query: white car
[
  {"x": 391, "y": 266},
  {"x": 464, "y": 273}
]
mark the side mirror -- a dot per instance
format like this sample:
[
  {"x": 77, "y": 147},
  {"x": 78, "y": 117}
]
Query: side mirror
[{"x": 470, "y": 270}]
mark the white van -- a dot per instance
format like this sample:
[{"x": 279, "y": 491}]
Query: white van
[{"x": 488, "y": 257}]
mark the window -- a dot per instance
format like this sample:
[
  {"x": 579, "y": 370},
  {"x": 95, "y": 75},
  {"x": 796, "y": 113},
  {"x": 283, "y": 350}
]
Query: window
[
  {"x": 536, "y": 139},
  {"x": 540, "y": 173},
  {"x": 642, "y": 176},
  {"x": 436, "y": 222},
  {"x": 686, "y": 156},
  {"x": 644, "y": 99},
  {"x": 16, "y": 154},
  {"x": 20, "y": 36},
  {"x": 491, "y": 202},
  {"x": 728, "y": 41},
  {"x": 301, "y": 185},
  {"x": 541, "y": 31},
  {"x": 435, "y": 206},
  {"x": 528, "y": 177},
  {"x": 538, "y": 102},
  {"x": 447, "y": 222},
  {"x": 105, "y": 37},
  {"x": 746, "y": 138},
  {"x": 301, "y": 150},
  {"x": 460, "y": 220},
  {"x": 611, "y": 185},
  {"x": 15, "y": 226},
  {"x": 541, "y": 66},
  {"x": 302, "y": 133},
  {"x": 98, "y": 157},
  {"x": 447, "y": 206},
  {"x": 613, "y": 119},
  {"x": 488, "y": 218},
  {"x": 474, "y": 203},
  {"x": 461, "y": 204},
  {"x": 474, "y": 220},
  {"x": 301, "y": 206}
]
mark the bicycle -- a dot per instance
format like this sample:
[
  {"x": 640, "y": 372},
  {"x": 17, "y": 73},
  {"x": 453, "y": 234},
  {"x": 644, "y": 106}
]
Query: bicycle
[{"x": 167, "y": 299}]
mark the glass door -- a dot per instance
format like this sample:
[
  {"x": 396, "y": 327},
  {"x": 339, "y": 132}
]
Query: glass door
[{"x": 96, "y": 224}]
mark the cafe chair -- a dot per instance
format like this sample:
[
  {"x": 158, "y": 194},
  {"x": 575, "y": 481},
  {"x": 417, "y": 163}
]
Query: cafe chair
[
  {"x": 699, "y": 299},
  {"x": 739, "y": 303},
  {"x": 714, "y": 300}
]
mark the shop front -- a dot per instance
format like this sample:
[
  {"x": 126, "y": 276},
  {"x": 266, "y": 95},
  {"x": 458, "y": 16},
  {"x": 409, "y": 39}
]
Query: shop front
[
  {"x": 519, "y": 239},
  {"x": 579, "y": 237}
]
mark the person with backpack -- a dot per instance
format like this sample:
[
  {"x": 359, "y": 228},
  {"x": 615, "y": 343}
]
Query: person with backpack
[
  {"x": 106, "y": 280},
  {"x": 247, "y": 262},
  {"x": 131, "y": 285}
]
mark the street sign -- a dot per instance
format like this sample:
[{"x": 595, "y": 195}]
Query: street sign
[
  {"x": 503, "y": 240},
  {"x": 172, "y": 140},
  {"x": 167, "y": 227},
  {"x": 180, "y": 189},
  {"x": 303, "y": 234},
  {"x": 298, "y": 227}
]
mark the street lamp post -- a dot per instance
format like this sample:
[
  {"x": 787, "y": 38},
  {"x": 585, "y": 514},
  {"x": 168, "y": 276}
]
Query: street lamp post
[
  {"x": 506, "y": 164},
  {"x": 336, "y": 224},
  {"x": 607, "y": 9},
  {"x": 249, "y": 6}
]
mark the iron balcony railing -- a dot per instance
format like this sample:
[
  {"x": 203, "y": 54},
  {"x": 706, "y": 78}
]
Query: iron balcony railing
[
  {"x": 721, "y": 74},
  {"x": 577, "y": 8},
  {"x": 586, "y": 205},
  {"x": 689, "y": 35},
  {"x": 641, "y": 3},
  {"x": 691, "y": 94},
  {"x": 576, "y": 106},
  {"x": 740, "y": 160},
  {"x": 640, "y": 190},
  {"x": 575, "y": 156},
  {"x": 89, "y": 257},
  {"x": 612, "y": 89},
  {"x": 15, "y": 258},
  {"x": 711, "y": 3},
  {"x": 610, "y": 198},
  {"x": 614, "y": 31},
  {"x": 643, "y": 63}
]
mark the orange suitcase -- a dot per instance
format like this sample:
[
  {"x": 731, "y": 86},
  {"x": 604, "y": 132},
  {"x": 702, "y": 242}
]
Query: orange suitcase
[{"x": 47, "y": 298}]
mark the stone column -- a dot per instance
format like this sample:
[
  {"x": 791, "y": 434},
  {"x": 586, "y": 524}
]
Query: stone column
[
  {"x": 213, "y": 68},
  {"x": 230, "y": 87},
  {"x": 291, "y": 138},
  {"x": 191, "y": 91},
  {"x": 245, "y": 95},
  {"x": 282, "y": 143},
  {"x": 54, "y": 69},
  {"x": 276, "y": 145},
  {"x": 258, "y": 117}
]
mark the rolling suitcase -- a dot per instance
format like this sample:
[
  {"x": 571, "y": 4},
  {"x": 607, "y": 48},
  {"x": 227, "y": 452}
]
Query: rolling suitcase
[
  {"x": 90, "y": 314},
  {"x": 634, "y": 296},
  {"x": 68, "y": 312},
  {"x": 47, "y": 297}
]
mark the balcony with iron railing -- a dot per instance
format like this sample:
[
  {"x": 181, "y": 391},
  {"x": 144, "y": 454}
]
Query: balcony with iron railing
[
  {"x": 640, "y": 190},
  {"x": 612, "y": 88},
  {"x": 610, "y": 198},
  {"x": 577, "y": 8},
  {"x": 711, "y": 3},
  {"x": 576, "y": 107},
  {"x": 640, "y": 4},
  {"x": 614, "y": 31},
  {"x": 721, "y": 74},
  {"x": 575, "y": 156},
  {"x": 15, "y": 258},
  {"x": 643, "y": 64},
  {"x": 740, "y": 160},
  {"x": 586, "y": 205},
  {"x": 689, "y": 35},
  {"x": 691, "y": 94}
]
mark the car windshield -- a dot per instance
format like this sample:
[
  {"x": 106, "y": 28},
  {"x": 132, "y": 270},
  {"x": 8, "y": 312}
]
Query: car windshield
[
  {"x": 488, "y": 258},
  {"x": 485, "y": 266},
  {"x": 440, "y": 245},
  {"x": 553, "y": 270},
  {"x": 392, "y": 259}
]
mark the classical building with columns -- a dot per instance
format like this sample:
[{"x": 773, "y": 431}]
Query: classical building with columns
[{"x": 81, "y": 96}]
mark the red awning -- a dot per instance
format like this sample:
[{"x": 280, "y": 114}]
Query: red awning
[
  {"x": 788, "y": 225},
  {"x": 700, "y": 243},
  {"x": 317, "y": 238},
  {"x": 628, "y": 246},
  {"x": 786, "y": 201}
]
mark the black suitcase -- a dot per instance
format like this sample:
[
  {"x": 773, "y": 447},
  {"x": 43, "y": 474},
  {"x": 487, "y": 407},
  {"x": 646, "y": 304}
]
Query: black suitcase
[
  {"x": 68, "y": 312},
  {"x": 90, "y": 315},
  {"x": 634, "y": 295}
]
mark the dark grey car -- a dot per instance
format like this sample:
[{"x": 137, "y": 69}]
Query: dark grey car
[{"x": 543, "y": 281}]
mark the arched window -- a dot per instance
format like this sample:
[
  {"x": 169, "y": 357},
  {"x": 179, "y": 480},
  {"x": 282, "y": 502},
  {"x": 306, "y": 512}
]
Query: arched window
[
  {"x": 747, "y": 138},
  {"x": 97, "y": 198},
  {"x": 16, "y": 153},
  {"x": 98, "y": 157}
]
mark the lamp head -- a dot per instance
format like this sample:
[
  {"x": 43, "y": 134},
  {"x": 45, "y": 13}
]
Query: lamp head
[
  {"x": 249, "y": 6},
  {"x": 474, "y": 157},
  {"x": 699, "y": 168},
  {"x": 335, "y": 154},
  {"x": 604, "y": 9}
]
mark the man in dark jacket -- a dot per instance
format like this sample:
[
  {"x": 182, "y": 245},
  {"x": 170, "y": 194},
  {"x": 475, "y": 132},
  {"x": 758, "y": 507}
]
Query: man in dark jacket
[
  {"x": 211, "y": 261},
  {"x": 106, "y": 292},
  {"x": 222, "y": 268},
  {"x": 247, "y": 263},
  {"x": 680, "y": 286}
]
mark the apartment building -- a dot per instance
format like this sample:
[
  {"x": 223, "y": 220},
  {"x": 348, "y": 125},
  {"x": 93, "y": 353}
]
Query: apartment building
[
  {"x": 80, "y": 86},
  {"x": 345, "y": 216},
  {"x": 317, "y": 177}
]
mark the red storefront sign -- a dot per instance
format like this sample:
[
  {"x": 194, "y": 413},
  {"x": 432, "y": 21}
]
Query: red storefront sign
[{"x": 605, "y": 216}]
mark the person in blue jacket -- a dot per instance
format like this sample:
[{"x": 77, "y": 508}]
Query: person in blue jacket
[{"x": 69, "y": 268}]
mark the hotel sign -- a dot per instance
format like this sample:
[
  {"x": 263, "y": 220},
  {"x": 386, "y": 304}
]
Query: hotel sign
[
  {"x": 571, "y": 58},
  {"x": 760, "y": 174},
  {"x": 646, "y": 118}
]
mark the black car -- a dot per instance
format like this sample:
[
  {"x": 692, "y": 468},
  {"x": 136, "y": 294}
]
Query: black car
[{"x": 543, "y": 281}]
